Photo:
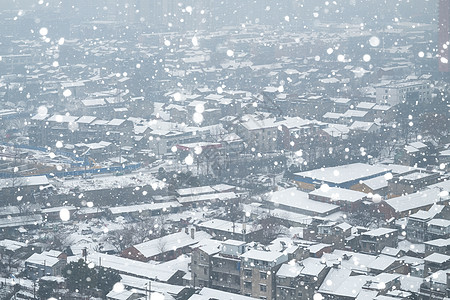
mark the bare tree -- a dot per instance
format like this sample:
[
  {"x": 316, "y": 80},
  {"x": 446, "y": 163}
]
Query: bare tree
[
  {"x": 162, "y": 247},
  {"x": 136, "y": 233}
]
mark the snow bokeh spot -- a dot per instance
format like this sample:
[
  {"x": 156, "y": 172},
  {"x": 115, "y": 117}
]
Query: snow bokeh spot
[
  {"x": 64, "y": 214},
  {"x": 374, "y": 41}
]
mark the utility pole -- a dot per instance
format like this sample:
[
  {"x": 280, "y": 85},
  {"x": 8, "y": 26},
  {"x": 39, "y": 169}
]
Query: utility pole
[{"x": 244, "y": 227}]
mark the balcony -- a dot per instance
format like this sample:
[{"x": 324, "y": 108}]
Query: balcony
[
  {"x": 229, "y": 284},
  {"x": 227, "y": 269}
]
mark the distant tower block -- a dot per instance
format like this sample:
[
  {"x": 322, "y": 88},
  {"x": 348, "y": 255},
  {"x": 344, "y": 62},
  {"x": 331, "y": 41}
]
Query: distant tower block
[{"x": 444, "y": 35}]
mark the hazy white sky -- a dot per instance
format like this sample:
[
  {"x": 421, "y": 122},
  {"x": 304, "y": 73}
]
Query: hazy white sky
[{"x": 23, "y": 4}]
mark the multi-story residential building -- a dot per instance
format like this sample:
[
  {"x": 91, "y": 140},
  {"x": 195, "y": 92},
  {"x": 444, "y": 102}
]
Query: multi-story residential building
[
  {"x": 258, "y": 269},
  {"x": 398, "y": 92},
  {"x": 201, "y": 263},
  {"x": 300, "y": 280},
  {"x": 259, "y": 133},
  {"x": 418, "y": 228},
  {"x": 226, "y": 266}
]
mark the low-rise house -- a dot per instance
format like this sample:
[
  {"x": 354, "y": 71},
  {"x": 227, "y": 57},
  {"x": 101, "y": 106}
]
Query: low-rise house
[
  {"x": 435, "y": 262},
  {"x": 294, "y": 200},
  {"x": 411, "y": 182},
  {"x": 48, "y": 263},
  {"x": 387, "y": 264},
  {"x": 375, "y": 186},
  {"x": 168, "y": 291},
  {"x": 134, "y": 268},
  {"x": 208, "y": 294},
  {"x": 345, "y": 176},
  {"x": 406, "y": 205},
  {"x": 438, "y": 228},
  {"x": 144, "y": 210},
  {"x": 53, "y": 213},
  {"x": 125, "y": 295},
  {"x": 436, "y": 285},
  {"x": 374, "y": 241},
  {"x": 348, "y": 200},
  {"x": 413, "y": 153},
  {"x": 165, "y": 248},
  {"x": 441, "y": 246}
]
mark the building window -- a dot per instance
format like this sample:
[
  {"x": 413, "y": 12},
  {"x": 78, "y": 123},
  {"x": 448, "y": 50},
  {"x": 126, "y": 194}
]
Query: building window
[
  {"x": 262, "y": 288},
  {"x": 263, "y": 275},
  {"x": 248, "y": 285},
  {"x": 237, "y": 280},
  {"x": 247, "y": 273},
  {"x": 205, "y": 271}
]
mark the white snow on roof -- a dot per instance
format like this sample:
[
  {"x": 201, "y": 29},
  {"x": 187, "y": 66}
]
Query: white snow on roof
[
  {"x": 170, "y": 242},
  {"x": 438, "y": 242},
  {"x": 62, "y": 119},
  {"x": 382, "y": 262},
  {"x": 195, "y": 190},
  {"x": 439, "y": 222},
  {"x": 379, "y": 232},
  {"x": 268, "y": 256},
  {"x": 9, "y": 210},
  {"x": 410, "y": 283},
  {"x": 208, "y": 197},
  {"x": 208, "y": 294},
  {"x": 414, "y": 201},
  {"x": 142, "y": 284},
  {"x": 390, "y": 251},
  {"x": 339, "y": 194},
  {"x": 11, "y": 245},
  {"x": 209, "y": 246},
  {"x": 345, "y": 173},
  {"x": 57, "y": 209},
  {"x": 376, "y": 183},
  {"x": 122, "y": 295},
  {"x": 360, "y": 125},
  {"x": 20, "y": 221},
  {"x": 297, "y": 199},
  {"x": 111, "y": 182},
  {"x": 226, "y": 226},
  {"x": 130, "y": 267},
  {"x": 398, "y": 169},
  {"x": 439, "y": 277},
  {"x": 86, "y": 119},
  {"x": 24, "y": 181},
  {"x": 365, "y": 105},
  {"x": 437, "y": 258},
  {"x": 116, "y": 122},
  {"x": 42, "y": 259},
  {"x": 143, "y": 207}
]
